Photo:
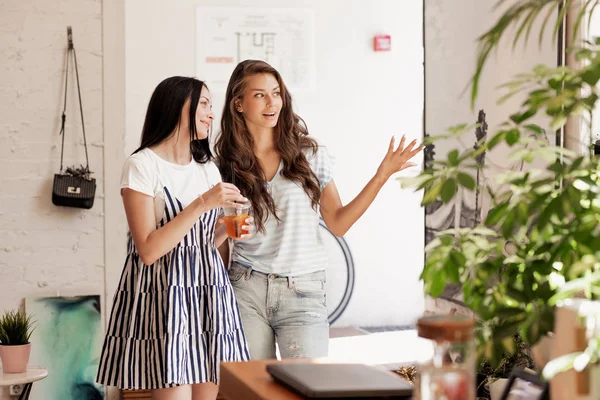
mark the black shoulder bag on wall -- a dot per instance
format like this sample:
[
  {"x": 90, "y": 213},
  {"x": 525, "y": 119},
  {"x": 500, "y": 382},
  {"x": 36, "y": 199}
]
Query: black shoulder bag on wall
[{"x": 74, "y": 187}]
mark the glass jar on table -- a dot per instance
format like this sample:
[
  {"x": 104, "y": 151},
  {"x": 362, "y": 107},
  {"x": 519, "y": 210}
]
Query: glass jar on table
[{"x": 450, "y": 373}]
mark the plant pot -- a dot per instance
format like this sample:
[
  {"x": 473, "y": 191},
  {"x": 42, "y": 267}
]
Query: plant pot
[
  {"x": 497, "y": 388},
  {"x": 15, "y": 358}
]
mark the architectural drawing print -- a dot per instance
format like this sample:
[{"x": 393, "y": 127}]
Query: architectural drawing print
[
  {"x": 256, "y": 46},
  {"x": 282, "y": 37}
]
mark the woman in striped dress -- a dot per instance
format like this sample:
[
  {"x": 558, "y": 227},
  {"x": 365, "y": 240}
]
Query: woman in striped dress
[
  {"x": 174, "y": 316},
  {"x": 279, "y": 274}
]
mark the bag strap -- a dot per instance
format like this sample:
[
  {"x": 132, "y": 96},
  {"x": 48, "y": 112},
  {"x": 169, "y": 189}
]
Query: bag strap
[{"x": 71, "y": 50}]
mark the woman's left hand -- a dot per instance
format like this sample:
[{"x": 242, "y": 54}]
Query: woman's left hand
[
  {"x": 397, "y": 160},
  {"x": 248, "y": 227}
]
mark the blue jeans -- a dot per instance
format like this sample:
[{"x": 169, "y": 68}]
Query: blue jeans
[{"x": 289, "y": 310}]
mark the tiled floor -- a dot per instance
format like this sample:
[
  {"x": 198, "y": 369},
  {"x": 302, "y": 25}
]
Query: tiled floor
[
  {"x": 388, "y": 328},
  {"x": 347, "y": 331}
]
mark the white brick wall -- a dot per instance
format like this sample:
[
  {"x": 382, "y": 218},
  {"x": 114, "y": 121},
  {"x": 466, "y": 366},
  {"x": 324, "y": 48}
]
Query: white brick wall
[{"x": 44, "y": 249}]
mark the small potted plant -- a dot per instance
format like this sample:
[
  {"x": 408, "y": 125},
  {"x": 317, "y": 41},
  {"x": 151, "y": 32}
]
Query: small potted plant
[{"x": 15, "y": 330}]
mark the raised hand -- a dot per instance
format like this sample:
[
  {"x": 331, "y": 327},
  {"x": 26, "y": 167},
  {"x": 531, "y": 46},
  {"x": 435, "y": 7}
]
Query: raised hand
[{"x": 398, "y": 160}]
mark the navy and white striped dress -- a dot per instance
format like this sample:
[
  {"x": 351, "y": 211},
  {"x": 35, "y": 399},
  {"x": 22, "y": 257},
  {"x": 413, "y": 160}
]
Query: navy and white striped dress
[{"x": 174, "y": 321}]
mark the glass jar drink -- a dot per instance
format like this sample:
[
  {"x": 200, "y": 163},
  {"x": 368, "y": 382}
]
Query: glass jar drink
[
  {"x": 450, "y": 373},
  {"x": 235, "y": 218}
]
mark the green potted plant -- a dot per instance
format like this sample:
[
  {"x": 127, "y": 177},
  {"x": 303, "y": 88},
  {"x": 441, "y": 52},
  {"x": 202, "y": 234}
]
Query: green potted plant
[
  {"x": 497, "y": 375},
  {"x": 15, "y": 330},
  {"x": 541, "y": 235}
]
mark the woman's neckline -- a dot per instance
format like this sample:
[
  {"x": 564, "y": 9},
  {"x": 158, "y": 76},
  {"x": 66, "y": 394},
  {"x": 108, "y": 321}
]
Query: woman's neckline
[
  {"x": 276, "y": 173},
  {"x": 169, "y": 163}
]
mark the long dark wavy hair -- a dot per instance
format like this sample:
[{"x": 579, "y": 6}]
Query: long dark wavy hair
[
  {"x": 164, "y": 114},
  {"x": 234, "y": 146}
]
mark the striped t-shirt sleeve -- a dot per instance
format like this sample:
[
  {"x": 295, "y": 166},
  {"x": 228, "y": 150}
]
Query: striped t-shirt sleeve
[{"x": 322, "y": 164}]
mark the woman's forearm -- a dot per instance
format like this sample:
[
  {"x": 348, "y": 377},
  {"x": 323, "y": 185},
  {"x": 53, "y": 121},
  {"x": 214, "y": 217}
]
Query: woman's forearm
[
  {"x": 347, "y": 215},
  {"x": 160, "y": 241}
]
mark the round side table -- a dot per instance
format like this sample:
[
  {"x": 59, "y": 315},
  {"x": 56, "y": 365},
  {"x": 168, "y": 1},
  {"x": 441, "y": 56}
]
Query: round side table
[{"x": 26, "y": 378}]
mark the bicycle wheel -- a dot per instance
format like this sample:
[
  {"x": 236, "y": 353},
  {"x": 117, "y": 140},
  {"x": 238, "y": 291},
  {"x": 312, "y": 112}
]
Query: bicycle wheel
[{"x": 340, "y": 274}]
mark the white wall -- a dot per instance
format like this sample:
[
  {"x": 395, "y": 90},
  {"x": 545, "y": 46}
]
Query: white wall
[
  {"x": 362, "y": 99},
  {"x": 451, "y": 33},
  {"x": 46, "y": 250},
  {"x": 593, "y": 32},
  {"x": 115, "y": 223}
]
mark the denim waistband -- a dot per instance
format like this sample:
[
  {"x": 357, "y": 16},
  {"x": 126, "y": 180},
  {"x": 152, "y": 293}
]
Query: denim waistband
[{"x": 275, "y": 277}]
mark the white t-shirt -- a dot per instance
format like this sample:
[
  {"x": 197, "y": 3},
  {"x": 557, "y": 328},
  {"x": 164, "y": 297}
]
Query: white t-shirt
[{"x": 147, "y": 173}]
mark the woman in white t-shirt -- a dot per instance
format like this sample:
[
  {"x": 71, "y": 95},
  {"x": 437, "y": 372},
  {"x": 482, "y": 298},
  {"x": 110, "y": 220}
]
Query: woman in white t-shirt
[
  {"x": 174, "y": 316},
  {"x": 279, "y": 274}
]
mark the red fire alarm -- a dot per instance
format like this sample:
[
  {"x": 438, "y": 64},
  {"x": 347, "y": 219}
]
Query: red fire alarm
[{"x": 382, "y": 43}]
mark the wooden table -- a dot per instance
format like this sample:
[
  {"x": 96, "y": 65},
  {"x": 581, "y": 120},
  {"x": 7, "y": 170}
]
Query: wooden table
[{"x": 250, "y": 381}]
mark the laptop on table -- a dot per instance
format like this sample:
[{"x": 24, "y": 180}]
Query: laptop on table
[{"x": 339, "y": 381}]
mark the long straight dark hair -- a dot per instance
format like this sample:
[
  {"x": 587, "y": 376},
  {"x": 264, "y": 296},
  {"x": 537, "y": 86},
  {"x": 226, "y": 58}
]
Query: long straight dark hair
[
  {"x": 234, "y": 147},
  {"x": 164, "y": 114}
]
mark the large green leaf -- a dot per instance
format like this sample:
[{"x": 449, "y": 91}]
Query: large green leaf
[
  {"x": 512, "y": 136},
  {"x": 591, "y": 76},
  {"x": 432, "y": 194},
  {"x": 534, "y": 128},
  {"x": 448, "y": 190},
  {"x": 523, "y": 116},
  {"x": 453, "y": 158},
  {"x": 453, "y": 265},
  {"x": 496, "y": 139},
  {"x": 508, "y": 225},
  {"x": 437, "y": 283},
  {"x": 496, "y": 214},
  {"x": 466, "y": 180}
]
